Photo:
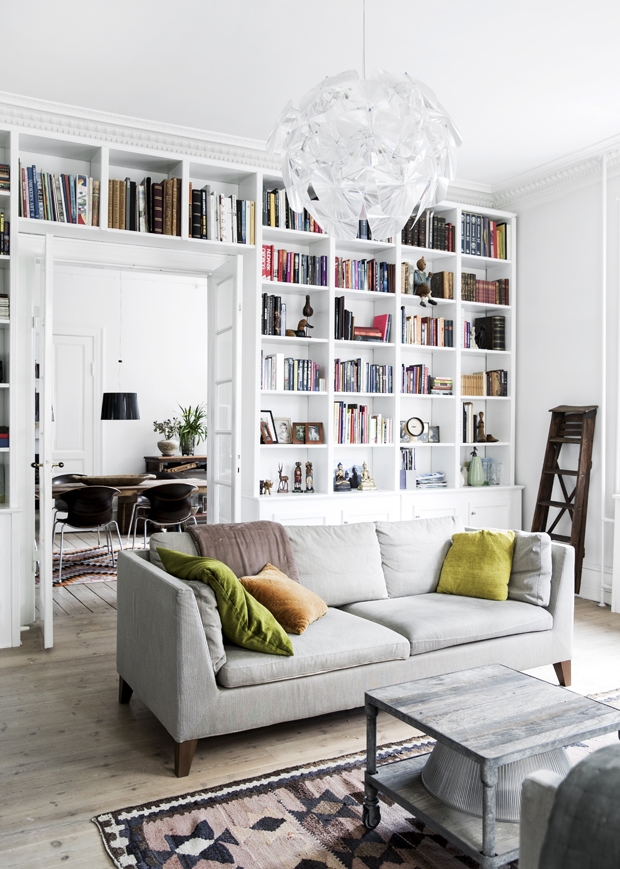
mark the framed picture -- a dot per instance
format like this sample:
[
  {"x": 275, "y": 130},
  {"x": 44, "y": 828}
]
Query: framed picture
[
  {"x": 433, "y": 434},
  {"x": 283, "y": 430},
  {"x": 267, "y": 428},
  {"x": 404, "y": 434},
  {"x": 299, "y": 432},
  {"x": 314, "y": 432}
]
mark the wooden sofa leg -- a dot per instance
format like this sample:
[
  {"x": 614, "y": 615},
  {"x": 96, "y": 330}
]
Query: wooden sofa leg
[
  {"x": 124, "y": 691},
  {"x": 183, "y": 756},
  {"x": 562, "y": 671}
]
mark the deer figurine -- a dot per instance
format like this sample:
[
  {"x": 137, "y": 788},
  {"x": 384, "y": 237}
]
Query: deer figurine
[{"x": 282, "y": 481}]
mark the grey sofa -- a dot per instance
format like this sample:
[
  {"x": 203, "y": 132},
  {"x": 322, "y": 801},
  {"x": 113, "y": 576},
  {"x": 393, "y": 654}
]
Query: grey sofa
[{"x": 385, "y": 625}]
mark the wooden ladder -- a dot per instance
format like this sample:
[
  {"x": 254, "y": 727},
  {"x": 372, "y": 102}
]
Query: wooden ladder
[{"x": 569, "y": 425}]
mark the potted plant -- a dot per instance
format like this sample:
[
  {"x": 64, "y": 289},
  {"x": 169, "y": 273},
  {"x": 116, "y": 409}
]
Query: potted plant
[
  {"x": 192, "y": 427},
  {"x": 169, "y": 428}
]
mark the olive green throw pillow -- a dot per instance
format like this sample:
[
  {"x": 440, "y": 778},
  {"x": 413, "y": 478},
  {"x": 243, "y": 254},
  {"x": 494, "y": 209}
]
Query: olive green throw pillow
[
  {"x": 478, "y": 564},
  {"x": 245, "y": 621}
]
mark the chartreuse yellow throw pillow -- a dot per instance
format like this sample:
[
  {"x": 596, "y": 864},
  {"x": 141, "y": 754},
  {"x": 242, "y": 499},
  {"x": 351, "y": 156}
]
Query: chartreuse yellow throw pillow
[
  {"x": 245, "y": 621},
  {"x": 478, "y": 564}
]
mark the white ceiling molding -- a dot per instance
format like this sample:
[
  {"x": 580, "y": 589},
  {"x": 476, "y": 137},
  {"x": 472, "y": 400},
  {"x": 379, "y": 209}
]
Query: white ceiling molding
[
  {"x": 470, "y": 193},
  {"x": 545, "y": 179}
]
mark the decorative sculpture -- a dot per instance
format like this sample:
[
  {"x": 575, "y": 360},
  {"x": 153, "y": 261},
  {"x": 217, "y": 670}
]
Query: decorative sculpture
[
  {"x": 282, "y": 481},
  {"x": 422, "y": 283},
  {"x": 267, "y": 484},
  {"x": 297, "y": 488},
  {"x": 341, "y": 484},
  {"x": 309, "y": 479},
  {"x": 367, "y": 484}
]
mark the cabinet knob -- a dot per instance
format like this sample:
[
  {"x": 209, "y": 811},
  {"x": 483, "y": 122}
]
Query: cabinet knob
[{"x": 473, "y": 512}]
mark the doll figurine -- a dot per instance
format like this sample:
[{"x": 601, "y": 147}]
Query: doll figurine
[{"x": 422, "y": 283}]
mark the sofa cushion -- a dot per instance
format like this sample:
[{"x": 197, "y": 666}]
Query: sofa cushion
[
  {"x": 211, "y": 621},
  {"x": 530, "y": 577},
  {"x": 179, "y": 541},
  {"x": 335, "y": 642},
  {"x": 413, "y": 552},
  {"x": 436, "y": 621},
  {"x": 293, "y": 605},
  {"x": 245, "y": 621},
  {"x": 340, "y": 563},
  {"x": 246, "y": 547},
  {"x": 478, "y": 564}
]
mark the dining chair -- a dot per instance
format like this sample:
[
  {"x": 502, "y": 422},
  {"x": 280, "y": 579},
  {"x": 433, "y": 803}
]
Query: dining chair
[
  {"x": 60, "y": 505},
  {"x": 89, "y": 508},
  {"x": 169, "y": 505}
]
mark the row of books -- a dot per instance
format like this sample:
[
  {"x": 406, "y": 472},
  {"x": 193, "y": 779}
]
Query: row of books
[
  {"x": 416, "y": 380},
  {"x": 486, "y": 383},
  {"x": 442, "y": 283},
  {"x": 353, "y": 274},
  {"x": 489, "y": 292},
  {"x": 354, "y": 424},
  {"x": 481, "y": 236},
  {"x": 470, "y": 423},
  {"x": 430, "y": 230},
  {"x": 280, "y": 372},
  {"x": 5, "y": 176},
  {"x": 346, "y": 330},
  {"x": 278, "y": 213},
  {"x": 273, "y": 315},
  {"x": 4, "y": 437},
  {"x": 355, "y": 375},
  {"x": 221, "y": 218},
  {"x": 5, "y": 236},
  {"x": 61, "y": 198},
  {"x": 426, "y": 331},
  {"x": 290, "y": 267},
  {"x": 145, "y": 207},
  {"x": 4, "y": 306}
]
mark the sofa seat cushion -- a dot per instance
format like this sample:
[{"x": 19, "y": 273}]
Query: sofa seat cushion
[
  {"x": 436, "y": 621},
  {"x": 335, "y": 642},
  {"x": 340, "y": 563}
]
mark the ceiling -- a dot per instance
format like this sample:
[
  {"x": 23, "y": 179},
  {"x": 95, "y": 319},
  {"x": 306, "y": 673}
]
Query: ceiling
[{"x": 526, "y": 81}]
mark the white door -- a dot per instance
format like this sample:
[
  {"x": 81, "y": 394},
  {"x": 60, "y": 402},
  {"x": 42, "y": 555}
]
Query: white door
[
  {"x": 44, "y": 326},
  {"x": 74, "y": 402},
  {"x": 224, "y": 397}
]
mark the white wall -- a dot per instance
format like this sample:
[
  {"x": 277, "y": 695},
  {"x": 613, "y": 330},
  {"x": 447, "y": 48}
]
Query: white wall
[
  {"x": 164, "y": 352},
  {"x": 559, "y": 330}
]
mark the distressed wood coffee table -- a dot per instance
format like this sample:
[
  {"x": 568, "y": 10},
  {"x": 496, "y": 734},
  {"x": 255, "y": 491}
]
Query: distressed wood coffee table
[{"x": 492, "y": 715}]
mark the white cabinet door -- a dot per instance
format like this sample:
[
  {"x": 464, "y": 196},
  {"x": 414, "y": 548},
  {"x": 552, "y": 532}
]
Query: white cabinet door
[
  {"x": 374, "y": 509},
  {"x": 490, "y": 514},
  {"x": 300, "y": 510}
]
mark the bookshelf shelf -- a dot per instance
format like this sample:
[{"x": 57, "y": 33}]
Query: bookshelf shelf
[
  {"x": 293, "y": 446},
  {"x": 363, "y": 295},
  {"x": 407, "y": 299},
  {"x": 483, "y": 445},
  {"x": 485, "y": 397},
  {"x": 360, "y": 446},
  {"x": 482, "y": 262},
  {"x": 289, "y": 392},
  {"x": 341, "y": 395},
  {"x": 426, "y": 348},
  {"x": 485, "y": 306},
  {"x": 373, "y": 345},
  {"x": 410, "y": 446},
  {"x": 294, "y": 236},
  {"x": 413, "y": 254},
  {"x": 476, "y": 351},
  {"x": 362, "y": 245},
  {"x": 289, "y": 339},
  {"x": 283, "y": 287}
]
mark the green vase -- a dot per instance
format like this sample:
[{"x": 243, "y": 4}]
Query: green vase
[
  {"x": 476, "y": 470},
  {"x": 188, "y": 445}
]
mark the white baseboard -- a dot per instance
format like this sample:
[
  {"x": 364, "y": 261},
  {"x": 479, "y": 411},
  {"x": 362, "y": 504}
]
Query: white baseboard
[{"x": 591, "y": 583}]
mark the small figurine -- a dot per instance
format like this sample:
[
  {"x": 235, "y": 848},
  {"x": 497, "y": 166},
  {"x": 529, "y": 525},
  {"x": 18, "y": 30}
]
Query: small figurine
[
  {"x": 267, "y": 484},
  {"x": 309, "y": 480},
  {"x": 422, "y": 283},
  {"x": 341, "y": 484},
  {"x": 307, "y": 311},
  {"x": 490, "y": 439},
  {"x": 302, "y": 329},
  {"x": 367, "y": 484},
  {"x": 261, "y": 487},
  {"x": 297, "y": 488},
  {"x": 355, "y": 478},
  {"x": 480, "y": 435},
  {"x": 282, "y": 481}
]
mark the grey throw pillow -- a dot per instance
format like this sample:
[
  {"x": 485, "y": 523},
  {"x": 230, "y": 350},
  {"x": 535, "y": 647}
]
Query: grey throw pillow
[
  {"x": 211, "y": 621},
  {"x": 179, "y": 541},
  {"x": 530, "y": 578}
]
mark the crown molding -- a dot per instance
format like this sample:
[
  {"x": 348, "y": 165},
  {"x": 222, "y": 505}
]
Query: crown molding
[
  {"x": 470, "y": 193},
  {"x": 546, "y": 179},
  {"x": 46, "y": 116}
]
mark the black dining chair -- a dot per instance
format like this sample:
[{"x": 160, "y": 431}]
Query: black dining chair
[
  {"x": 169, "y": 505},
  {"x": 60, "y": 505},
  {"x": 89, "y": 508}
]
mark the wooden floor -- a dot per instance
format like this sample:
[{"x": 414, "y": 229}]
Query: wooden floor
[{"x": 69, "y": 751}]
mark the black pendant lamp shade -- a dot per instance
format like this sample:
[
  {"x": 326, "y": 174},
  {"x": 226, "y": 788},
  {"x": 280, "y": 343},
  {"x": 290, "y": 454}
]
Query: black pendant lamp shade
[{"x": 120, "y": 405}]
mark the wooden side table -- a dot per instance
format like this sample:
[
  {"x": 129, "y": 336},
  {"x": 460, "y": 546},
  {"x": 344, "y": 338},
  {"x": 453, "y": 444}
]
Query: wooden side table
[{"x": 159, "y": 464}]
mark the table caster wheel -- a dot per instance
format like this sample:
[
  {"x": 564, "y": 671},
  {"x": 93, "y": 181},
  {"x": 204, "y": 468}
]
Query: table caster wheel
[{"x": 371, "y": 816}]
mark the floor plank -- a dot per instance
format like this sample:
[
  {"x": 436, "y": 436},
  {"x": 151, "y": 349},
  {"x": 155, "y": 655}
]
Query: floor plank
[{"x": 70, "y": 751}]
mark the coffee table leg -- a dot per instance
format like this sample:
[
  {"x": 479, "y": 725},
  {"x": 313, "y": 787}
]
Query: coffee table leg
[
  {"x": 488, "y": 776},
  {"x": 371, "y": 814}
]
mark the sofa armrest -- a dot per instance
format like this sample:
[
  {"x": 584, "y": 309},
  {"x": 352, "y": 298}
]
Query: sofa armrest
[
  {"x": 162, "y": 651},
  {"x": 537, "y": 795},
  {"x": 562, "y": 602}
]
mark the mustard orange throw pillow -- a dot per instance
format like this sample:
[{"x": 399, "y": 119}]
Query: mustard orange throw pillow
[{"x": 294, "y": 606}]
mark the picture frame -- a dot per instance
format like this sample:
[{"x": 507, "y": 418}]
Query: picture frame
[
  {"x": 298, "y": 433},
  {"x": 267, "y": 428},
  {"x": 433, "y": 434},
  {"x": 405, "y": 437},
  {"x": 314, "y": 433},
  {"x": 283, "y": 431}
]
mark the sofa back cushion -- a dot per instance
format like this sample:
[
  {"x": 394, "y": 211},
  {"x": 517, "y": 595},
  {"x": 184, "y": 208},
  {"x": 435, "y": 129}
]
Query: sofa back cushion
[
  {"x": 246, "y": 547},
  {"x": 412, "y": 553},
  {"x": 530, "y": 578},
  {"x": 179, "y": 541},
  {"x": 340, "y": 563}
]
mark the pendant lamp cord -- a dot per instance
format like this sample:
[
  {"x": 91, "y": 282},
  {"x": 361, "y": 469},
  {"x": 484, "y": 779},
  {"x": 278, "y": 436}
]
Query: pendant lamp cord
[{"x": 363, "y": 38}]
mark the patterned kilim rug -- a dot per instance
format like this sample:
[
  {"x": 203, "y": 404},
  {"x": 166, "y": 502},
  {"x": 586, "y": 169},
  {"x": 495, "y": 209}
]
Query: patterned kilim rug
[
  {"x": 85, "y": 565},
  {"x": 307, "y": 817}
]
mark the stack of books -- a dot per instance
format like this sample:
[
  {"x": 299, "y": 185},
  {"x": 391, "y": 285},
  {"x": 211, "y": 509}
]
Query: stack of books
[
  {"x": 287, "y": 374},
  {"x": 431, "y": 480},
  {"x": 377, "y": 277},
  {"x": 61, "y": 198},
  {"x": 5, "y": 176},
  {"x": 221, "y": 218},
  {"x": 145, "y": 207},
  {"x": 429, "y": 231},
  {"x": 278, "y": 213},
  {"x": 354, "y": 424},
  {"x": 4, "y": 306},
  {"x": 355, "y": 375},
  {"x": 481, "y": 236},
  {"x": 488, "y": 292},
  {"x": 441, "y": 386},
  {"x": 290, "y": 267},
  {"x": 5, "y": 236}
]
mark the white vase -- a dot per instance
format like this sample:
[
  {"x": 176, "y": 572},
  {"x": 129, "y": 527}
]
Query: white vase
[{"x": 168, "y": 448}]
